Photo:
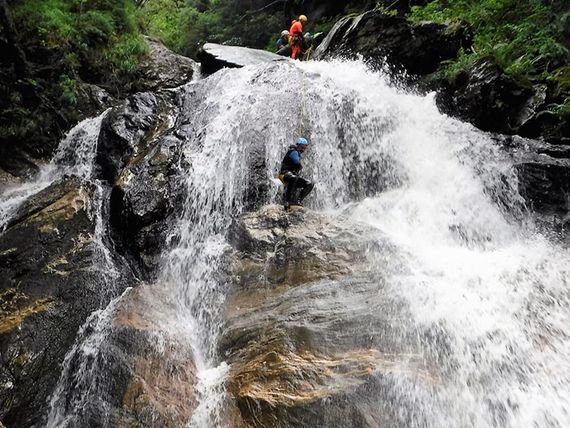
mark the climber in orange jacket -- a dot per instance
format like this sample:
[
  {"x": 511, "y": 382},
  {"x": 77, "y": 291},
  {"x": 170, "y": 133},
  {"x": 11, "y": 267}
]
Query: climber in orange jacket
[{"x": 296, "y": 36}]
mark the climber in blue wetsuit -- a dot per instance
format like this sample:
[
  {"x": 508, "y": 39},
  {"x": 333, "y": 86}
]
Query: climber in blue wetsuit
[{"x": 296, "y": 187}]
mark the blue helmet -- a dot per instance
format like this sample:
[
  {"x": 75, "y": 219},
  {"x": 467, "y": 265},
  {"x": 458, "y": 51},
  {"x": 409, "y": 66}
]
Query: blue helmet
[{"x": 302, "y": 141}]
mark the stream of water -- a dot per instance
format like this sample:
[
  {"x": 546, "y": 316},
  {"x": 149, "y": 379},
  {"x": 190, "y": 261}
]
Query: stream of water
[{"x": 477, "y": 269}]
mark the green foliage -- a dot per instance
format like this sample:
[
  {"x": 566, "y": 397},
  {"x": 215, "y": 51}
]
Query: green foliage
[
  {"x": 69, "y": 89},
  {"x": 96, "y": 27},
  {"x": 80, "y": 29},
  {"x": 180, "y": 25},
  {"x": 124, "y": 54},
  {"x": 183, "y": 26},
  {"x": 463, "y": 61},
  {"x": 563, "y": 110},
  {"x": 64, "y": 42},
  {"x": 380, "y": 7},
  {"x": 522, "y": 35},
  {"x": 561, "y": 77}
]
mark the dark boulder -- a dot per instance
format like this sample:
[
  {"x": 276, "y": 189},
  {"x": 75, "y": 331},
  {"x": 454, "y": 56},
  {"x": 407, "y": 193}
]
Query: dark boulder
[
  {"x": 123, "y": 130},
  {"x": 93, "y": 100},
  {"x": 48, "y": 288},
  {"x": 214, "y": 57},
  {"x": 164, "y": 69},
  {"x": 546, "y": 184},
  {"x": 145, "y": 196},
  {"x": 545, "y": 123},
  {"x": 488, "y": 98},
  {"x": 544, "y": 175},
  {"x": 543, "y": 170},
  {"x": 379, "y": 38}
]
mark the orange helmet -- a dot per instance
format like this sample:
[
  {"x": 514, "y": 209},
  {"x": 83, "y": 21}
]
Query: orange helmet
[{"x": 303, "y": 18}]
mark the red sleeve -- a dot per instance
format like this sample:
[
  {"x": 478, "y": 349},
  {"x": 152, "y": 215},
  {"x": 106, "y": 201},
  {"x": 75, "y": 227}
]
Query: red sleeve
[{"x": 296, "y": 28}]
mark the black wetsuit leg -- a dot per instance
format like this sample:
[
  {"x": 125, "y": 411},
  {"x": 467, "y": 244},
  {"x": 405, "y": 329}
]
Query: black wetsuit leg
[
  {"x": 307, "y": 188},
  {"x": 297, "y": 189},
  {"x": 290, "y": 187}
]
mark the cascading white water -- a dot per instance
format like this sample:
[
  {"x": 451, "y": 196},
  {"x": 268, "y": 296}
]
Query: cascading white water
[
  {"x": 75, "y": 156},
  {"x": 478, "y": 277},
  {"x": 232, "y": 124},
  {"x": 81, "y": 367},
  {"x": 478, "y": 273}
]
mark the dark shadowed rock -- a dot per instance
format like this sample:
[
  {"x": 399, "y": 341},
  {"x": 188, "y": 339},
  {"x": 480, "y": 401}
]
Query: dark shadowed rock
[
  {"x": 417, "y": 48},
  {"x": 543, "y": 170},
  {"x": 48, "y": 288},
  {"x": 544, "y": 176},
  {"x": 93, "y": 100},
  {"x": 545, "y": 123},
  {"x": 164, "y": 69},
  {"x": 488, "y": 98},
  {"x": 123, "y": 130},
  {"x": 214, "y": 57},
  {"x": 146, "y": 194}
]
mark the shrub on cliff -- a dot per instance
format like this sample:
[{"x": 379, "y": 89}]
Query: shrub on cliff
[
  {"x": 49, "y": 47},
  {"x": 525, "y": 37}
]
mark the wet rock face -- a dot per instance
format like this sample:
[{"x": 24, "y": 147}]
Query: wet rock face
[
  {"x": 141, "y": 164},
  {"x": 415, "y": 48},
  {"x": 159, "y": 389},
  {"x": 293, "y": 248},
  {"x": 93, "y": 100},
  {"x": 164, "y": 69},
  {"x": 123, "y": 130},
  {"x": 488, "y": 98},
  {"x": 300, "y": 284},
  {"x": 143, "y": 200},
  {"x": 132, "y": 372},
  {"x": 214, "y": 57},
  {"x": 47, "y": 289},
  {"x": 544, "y": 176}
]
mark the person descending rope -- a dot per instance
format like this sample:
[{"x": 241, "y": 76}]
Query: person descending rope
[
  {"x": 296, "y": 187},
  {"x": 283, "y": 47},
  {"x": 296, "y": 36}
]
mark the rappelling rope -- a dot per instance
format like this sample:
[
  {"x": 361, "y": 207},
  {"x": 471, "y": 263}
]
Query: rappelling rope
[{"x": 301, "y": 125}]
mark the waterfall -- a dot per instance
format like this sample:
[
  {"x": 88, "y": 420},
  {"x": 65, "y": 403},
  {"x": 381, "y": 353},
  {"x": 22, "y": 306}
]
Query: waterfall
[
  {"x": 486, "y": 295},
  {"x": 75, "y": 156},
  {"x": 479, "y": 275}
]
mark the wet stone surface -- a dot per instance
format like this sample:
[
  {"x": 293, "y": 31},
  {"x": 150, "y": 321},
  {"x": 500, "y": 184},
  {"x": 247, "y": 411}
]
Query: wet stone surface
[
  {"x": 298, "y": 356},
  {"x": 47, "y": 289}
]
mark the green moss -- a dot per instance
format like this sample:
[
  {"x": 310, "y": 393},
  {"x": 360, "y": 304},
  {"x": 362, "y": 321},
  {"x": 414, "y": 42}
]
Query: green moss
[
  {"x": 561, "y": 76},
  {"x": 452, "y": 69}
]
